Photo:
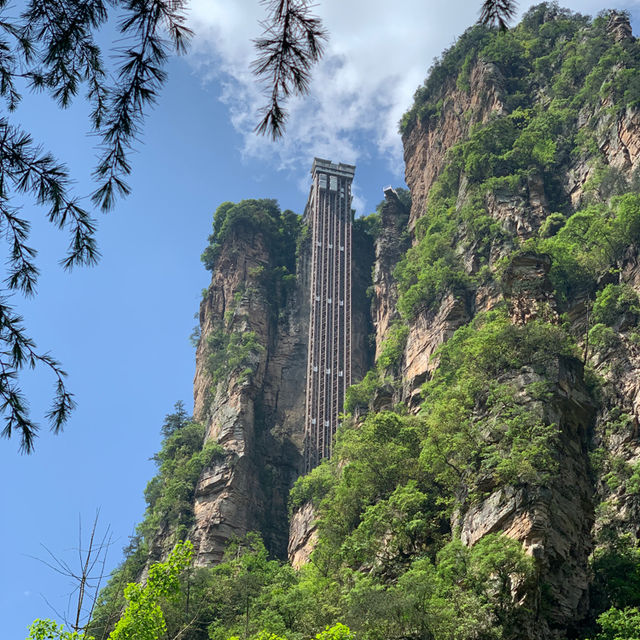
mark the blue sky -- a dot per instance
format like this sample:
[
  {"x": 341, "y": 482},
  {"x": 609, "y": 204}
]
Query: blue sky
[{"x": 121, "y": 329}]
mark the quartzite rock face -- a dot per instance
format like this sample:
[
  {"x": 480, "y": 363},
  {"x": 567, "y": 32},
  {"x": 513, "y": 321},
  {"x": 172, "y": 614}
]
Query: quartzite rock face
[
  {"x": 426, "y": 146},
  {"x": 391, "y": 244},
  {"x": 259, "y": 418},
  {"x": 302, "y": 535},
  {"x": 553, "y": 522}
]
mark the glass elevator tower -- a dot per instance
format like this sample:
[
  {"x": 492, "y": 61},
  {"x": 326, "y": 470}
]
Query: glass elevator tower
[{"x": 328, "y": 214}]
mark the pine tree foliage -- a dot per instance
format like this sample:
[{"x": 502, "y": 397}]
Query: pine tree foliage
[
  {"x": 52, "y": 46},
  {"x": 292, "y": 42},
  {"x": 498, "y": 13}
]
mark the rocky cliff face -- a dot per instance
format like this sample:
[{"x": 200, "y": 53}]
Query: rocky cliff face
[
  {"x": 497, "y": 164},
  {"x": 561, "y": 523},
  {"x": 257, "y": 412},
  {"x": 426, "y": 145},
  {"x": 257, "y": 416}
]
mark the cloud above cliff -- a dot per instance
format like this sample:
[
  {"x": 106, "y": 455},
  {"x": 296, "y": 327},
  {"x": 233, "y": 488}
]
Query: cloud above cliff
[{"x": 378, "y": 54}]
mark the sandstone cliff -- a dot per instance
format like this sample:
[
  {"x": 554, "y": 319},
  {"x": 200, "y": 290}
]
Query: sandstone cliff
[
  {"x": 561, "y": 523},
  {"x": 257, "y": 411}
]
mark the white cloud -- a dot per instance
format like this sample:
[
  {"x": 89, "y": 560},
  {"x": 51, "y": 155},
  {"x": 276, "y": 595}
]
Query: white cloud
[{"x": 378, "y": 54}]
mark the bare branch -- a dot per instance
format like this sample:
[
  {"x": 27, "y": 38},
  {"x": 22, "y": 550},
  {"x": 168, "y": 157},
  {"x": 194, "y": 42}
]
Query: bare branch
[{"x": 87, "y": 581}]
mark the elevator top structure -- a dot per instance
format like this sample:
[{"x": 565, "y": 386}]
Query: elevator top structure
[
  {"x": 328, "y": 214},
  {"x": 324, "y": 170},
  {"x": 326, "y": 166}
]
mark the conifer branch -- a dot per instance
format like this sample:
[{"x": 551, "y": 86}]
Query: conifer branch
[
  {"x": 292, "y": 42},
  {"x": 141, "y": 74},
  {"x": 20, "y": 352},
  {"x": 498, "y": 13}
]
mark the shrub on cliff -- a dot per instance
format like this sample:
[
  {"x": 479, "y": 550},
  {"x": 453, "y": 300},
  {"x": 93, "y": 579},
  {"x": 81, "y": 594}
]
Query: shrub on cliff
[
  {"x": 616, "y": 303},
  {"x": 280, "y": 229}
]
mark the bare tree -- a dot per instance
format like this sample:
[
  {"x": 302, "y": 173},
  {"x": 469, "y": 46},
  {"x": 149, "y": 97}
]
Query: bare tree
[{"x": 86, "y": 578}]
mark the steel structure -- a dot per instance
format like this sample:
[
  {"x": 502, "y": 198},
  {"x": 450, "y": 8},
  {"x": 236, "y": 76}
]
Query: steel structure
[{"x": 328, "y": 214}]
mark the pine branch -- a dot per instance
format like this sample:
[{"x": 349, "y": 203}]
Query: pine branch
[
  {"x": 292, "y": 43},
  {"x": 68, "y": 54},
  {"x": 32, "y": 171},
  {"x": 498, "y": 13},
  {"x": 20, "y": 352},
  {"x": 53, "y": 46},
  {"x": 141, "y": 75},
  {"x": 23, "y": 272}
]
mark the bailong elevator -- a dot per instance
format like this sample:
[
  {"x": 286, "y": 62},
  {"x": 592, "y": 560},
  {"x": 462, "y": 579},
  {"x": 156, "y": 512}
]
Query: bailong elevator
[{"x": 328, "y": 214}]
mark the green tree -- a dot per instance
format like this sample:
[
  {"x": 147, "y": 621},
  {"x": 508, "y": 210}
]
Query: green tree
[
  {"x": 338, "y": 631},
  {"x": 45, "y": 629},
  {"x": 143, "y": 618},
  {"x": 175, "y": 421},
  {"x": 619, "y": 624}
]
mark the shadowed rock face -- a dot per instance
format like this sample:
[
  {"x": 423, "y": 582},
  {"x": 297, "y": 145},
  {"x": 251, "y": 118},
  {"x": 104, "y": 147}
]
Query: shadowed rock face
[
  {"x": 528, "y": 290},
  {"x": 391, "y": 244}
]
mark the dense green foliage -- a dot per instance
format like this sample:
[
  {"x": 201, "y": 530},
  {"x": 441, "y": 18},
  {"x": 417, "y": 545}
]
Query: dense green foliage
[
  {"x": 45, "y": 629},
  {"x": 619, "y": 624},
  {"x": 458, "y": 593},
  {"x": 616, "y": 569},
  {"x": 479, "y": 366},
  {"x": 615, "y": 303},
  {"x": 585, "y": 62},
  {"x": 143, "y": 617},
  {"x": 475, "y": 422},
  {"x": 230, "y": 352},
  {"x": 533, "y": 138},
  {"x": 278, "y": 228},
  {"x": 590, "y": 243}
]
